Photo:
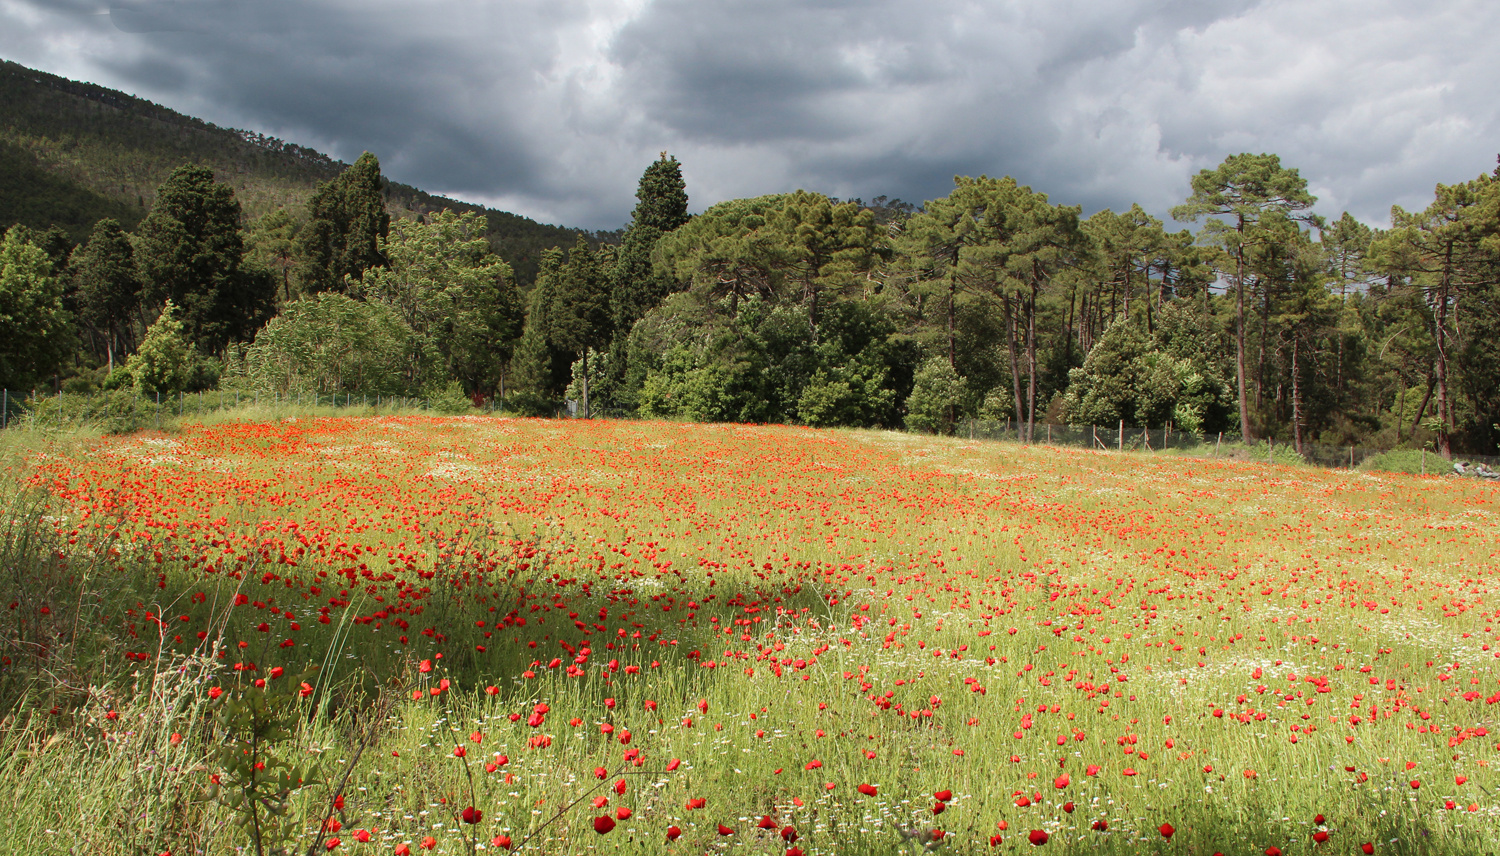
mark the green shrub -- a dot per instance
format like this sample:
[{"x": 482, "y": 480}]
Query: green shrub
[{"x": 1414, "y": 461}]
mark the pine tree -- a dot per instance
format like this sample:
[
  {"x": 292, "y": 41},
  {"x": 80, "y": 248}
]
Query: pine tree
[
  {"x": 580, "y": 309},
  {"x": 108, "y": 286},
  {"x": 1245, "y": 188},
  {"x": 540, "y": 369}
]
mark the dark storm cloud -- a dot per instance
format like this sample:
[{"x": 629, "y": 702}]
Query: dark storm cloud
[
  {"x": 201, "y": 16},
  {"x": 553, "y": 107}
]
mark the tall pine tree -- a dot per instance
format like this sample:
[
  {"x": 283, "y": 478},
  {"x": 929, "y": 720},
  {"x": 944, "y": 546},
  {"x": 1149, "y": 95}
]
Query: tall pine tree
[{"x": 108, "y": 286}]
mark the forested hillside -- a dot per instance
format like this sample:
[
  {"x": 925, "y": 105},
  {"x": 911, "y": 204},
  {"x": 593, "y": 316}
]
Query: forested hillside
[
  {"x": 187, "y": 257},
  {"x": 75, "y": 152}
]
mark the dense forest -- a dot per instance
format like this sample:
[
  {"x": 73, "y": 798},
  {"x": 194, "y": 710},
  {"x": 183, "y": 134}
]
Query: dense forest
[{"x": 155, "y": 253}]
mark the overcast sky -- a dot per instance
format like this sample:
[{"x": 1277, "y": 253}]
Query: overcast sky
[{"x": 552, "y": 108}]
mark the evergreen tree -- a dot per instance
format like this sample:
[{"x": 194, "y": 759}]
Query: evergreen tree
[
  {"x": 662, "y": 197},
  {"x": 347, "y": 220},
  {"x": 1448, "y": 254},
  {"x": 540, "y": 367},
  {"x": 1245, "y": 188},
  {"x": 34, "y": 326},
  {"x": 108, "y": 286},
  {"x": 635, "y": 284},
  {"x": 579, "y": 317},
  {"x": 190, "y": 252},
  {"x": 273, "y": 240}
]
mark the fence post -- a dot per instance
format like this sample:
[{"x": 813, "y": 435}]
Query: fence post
[
  {"x": 1122, "y": 435},
  {"x": 5, "y": 408},
  {"x": 1424, "y": 462}
]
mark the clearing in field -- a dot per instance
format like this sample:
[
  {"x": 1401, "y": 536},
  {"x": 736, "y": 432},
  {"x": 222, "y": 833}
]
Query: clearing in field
[{"x": 391, "y": 635}]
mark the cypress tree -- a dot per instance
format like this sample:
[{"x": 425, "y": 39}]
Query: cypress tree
[
  {"x": 661, "y": 196},
  {"x": 190, "y": 252},
  {"x": 635, "y": 286},
  {"x": 347, "y": 221}
]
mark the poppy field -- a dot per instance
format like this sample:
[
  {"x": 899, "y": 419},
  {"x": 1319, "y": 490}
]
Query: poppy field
[{"x": 399, "y": 635}]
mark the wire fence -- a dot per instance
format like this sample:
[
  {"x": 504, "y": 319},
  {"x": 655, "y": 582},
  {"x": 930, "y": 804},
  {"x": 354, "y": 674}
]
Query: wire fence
[
  {"x": 1122, "y": 438},
  {"x": 126, "y": 410},
  {"x": 122, "y": 411}
]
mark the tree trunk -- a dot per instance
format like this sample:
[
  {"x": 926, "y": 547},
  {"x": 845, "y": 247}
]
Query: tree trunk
[
  {"x": 1239, "y": 333},
  {"x": 1068, "y": 328},
  {"x": 1440, "y": 369},
  {"x": 1296, "y": 400},
  {"x": 1015, "y": 360},
  {"x": 1416, "y": 421},
  {"x": 1031, "y": 361},
  {"x": 585, "y": 382},
  {"x": 952, "y": 335}
]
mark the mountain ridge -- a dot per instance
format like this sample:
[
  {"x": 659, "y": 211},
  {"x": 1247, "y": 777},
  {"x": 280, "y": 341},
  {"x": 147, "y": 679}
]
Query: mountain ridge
[{"x": 72, "y": 152}]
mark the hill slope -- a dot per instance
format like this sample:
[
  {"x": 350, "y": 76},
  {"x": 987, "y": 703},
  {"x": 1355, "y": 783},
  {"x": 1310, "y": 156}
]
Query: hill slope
[{"x": 73, "y": 152}]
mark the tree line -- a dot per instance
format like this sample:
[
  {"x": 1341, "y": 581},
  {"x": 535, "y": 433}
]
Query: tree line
[{"x": 992, "y": 302}]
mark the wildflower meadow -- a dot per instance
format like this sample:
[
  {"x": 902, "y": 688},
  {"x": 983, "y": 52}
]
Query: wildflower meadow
[{"x": 410, "y": 634}]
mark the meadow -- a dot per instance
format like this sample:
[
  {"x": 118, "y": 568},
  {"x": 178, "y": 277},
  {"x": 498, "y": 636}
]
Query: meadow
[{"x": 409, "y": 634}]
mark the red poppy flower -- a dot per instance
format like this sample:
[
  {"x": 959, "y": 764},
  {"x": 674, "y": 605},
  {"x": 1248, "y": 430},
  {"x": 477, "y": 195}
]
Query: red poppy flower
[
  {"x": 1166, "y": 830},
  {"x": 867, "y": 789},
  {"x": 1368, "y": 848},
  {"x": 603, "y": 824},
  {"x": 472, "y": 815},
  {"x": 673, "y": 832},
  {"x": 1037, "y": 837},
  {"x": 724, "y": 830}
]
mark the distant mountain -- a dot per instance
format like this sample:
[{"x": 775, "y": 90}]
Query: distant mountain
[{"x": 72, "y": 153}]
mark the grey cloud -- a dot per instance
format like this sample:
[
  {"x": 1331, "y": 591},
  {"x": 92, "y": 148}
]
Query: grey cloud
[
  {"x": 202, "y": 16},
  {"x": 553, "y": 107}
]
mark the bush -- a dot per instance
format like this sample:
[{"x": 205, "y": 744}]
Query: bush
[
  {"x": 936, "y": 394},
  {"x": 1413, "y": 461},
  {"x": 450, "y": 400}
]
